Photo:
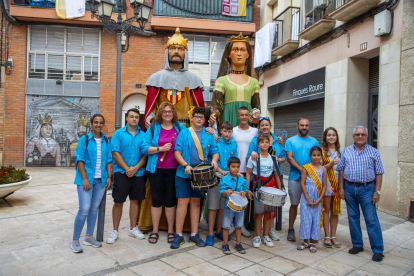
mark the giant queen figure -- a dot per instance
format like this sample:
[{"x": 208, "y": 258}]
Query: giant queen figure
[
  {"x": 168, "y": 86},
  {"x": 234, "y": 85}
]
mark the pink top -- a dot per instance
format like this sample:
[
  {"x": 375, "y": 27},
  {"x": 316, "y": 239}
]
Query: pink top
[{"x": 169, "y": 160}]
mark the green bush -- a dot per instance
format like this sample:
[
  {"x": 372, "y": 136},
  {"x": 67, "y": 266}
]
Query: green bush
[{"x": 10, "y": 175}]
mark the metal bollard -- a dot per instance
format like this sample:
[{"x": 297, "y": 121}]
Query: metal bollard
[
  {"x": 101, "y": 219},
  {"x": 278, "y": 226}
]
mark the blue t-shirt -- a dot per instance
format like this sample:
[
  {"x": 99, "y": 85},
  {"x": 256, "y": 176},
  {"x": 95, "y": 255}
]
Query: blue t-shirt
[
  {"x": 300, "y": 148},
  {"x": 195, "y": 159}
]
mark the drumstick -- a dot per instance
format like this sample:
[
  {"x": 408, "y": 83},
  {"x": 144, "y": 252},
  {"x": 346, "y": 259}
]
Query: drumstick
[{"x": 165, "y": 153}]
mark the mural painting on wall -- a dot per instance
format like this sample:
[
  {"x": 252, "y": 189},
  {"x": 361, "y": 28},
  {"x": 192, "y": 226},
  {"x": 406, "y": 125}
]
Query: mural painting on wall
[{"x": 54, "y": 126}]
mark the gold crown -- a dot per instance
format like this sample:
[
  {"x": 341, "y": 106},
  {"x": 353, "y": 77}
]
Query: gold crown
[
  {"x": 177, "y": 39},
  {"x": 45, "y": 120},
  {"x": 84, "y": 120},
  {"x": 239, "y": 38}
]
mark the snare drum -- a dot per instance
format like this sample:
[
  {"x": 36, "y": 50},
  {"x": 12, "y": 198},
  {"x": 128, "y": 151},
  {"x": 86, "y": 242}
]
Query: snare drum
[
  {"x": 236, "y": 202},
  {"x": 270, "y": 196},
  {"x": 203, "y": 177}
]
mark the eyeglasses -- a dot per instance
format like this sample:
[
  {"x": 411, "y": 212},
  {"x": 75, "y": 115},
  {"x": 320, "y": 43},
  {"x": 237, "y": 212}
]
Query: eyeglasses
[
  {"x": 198, "y": 117},
  {"x": 360, "y": 134},
  {"x": 167, "y": 112},
  {"x": 264, "y": 118}
]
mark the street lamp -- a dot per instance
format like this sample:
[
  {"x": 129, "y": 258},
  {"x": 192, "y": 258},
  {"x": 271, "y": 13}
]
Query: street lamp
[{"x": 102, "y": 10}]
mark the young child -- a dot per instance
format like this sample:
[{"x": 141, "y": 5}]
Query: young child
[
  {"x": 266, "y": 172},
  {"x": 313, "y": 183},
  {"x": 227, "y": 149},
  {"x": 229, "y": 184}
]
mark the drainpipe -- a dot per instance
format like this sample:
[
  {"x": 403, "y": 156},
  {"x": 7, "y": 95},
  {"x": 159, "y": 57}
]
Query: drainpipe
[{"x": 5, "y": 10}]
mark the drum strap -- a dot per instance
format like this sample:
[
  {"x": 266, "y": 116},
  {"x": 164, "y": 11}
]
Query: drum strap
[
  {"x": 259, "y": 183},
  {"x": 197, "y": 144}
]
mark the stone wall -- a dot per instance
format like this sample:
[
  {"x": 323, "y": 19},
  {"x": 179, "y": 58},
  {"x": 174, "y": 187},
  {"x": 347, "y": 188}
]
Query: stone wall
[{"x": 406, "y": 114}]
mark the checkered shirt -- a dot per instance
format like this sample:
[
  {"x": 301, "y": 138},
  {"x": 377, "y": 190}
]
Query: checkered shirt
[{"x": 360, "y": 166}]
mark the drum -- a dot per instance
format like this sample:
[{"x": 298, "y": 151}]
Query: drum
[
  {"x": 271, "y": 196},
  {"x": 203, "y": 177},
  {"x": 236, "y": 202}
]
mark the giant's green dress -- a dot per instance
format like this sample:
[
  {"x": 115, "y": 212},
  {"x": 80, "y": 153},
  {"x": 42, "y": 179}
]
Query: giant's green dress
[{"x": 228, "y": 97}]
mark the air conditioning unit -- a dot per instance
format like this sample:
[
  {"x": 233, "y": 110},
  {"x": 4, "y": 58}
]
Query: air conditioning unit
[{"x": 382, "y": 23}]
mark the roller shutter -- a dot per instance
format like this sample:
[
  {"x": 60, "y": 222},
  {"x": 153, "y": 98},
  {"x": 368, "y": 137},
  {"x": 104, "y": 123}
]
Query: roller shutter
[{"x": 286, "y": 119}]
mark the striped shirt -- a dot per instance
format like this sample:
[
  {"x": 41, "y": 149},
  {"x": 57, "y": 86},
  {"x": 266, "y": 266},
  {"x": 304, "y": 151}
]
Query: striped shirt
[
  {"x": 360, "y": 166},
  {"x": 98, "y": 158}
]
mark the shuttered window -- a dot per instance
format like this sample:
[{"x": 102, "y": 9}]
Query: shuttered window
[
  {"x": 65, "y": 53},
  {"x": 204, "y": 53}
]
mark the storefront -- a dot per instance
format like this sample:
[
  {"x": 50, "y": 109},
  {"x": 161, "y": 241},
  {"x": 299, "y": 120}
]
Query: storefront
[{"x": 297, "y": 97}]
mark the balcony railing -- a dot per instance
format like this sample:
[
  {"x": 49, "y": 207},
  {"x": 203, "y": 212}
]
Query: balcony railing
[
  {"x": 288, "y": 26},
  {"x": 211, "y": 9},
  {"x": 51, "y": 4},
  {"x": 315, "y": 10}
]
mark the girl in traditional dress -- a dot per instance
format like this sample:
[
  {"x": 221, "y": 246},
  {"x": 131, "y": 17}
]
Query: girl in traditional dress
[
  {"x": 234, "y": 86},
  {"x": 332, "y": 152},
  {"x": 313, "y": 183}
]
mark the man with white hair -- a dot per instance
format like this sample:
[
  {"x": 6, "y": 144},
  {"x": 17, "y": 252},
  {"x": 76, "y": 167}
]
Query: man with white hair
[{"x": 360, "y": 178}]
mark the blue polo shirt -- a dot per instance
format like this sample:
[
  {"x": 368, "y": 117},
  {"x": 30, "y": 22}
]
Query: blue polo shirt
[
  {"x": 228, "y": 182},
  {"x": 226, "y": 149},
  {"x": 88, "y": 157},
  {"x": 278, "y": 149},
  {"x": 129, "y": 147},
  {"x": 152, "y": 141},
  {"x": 184, "y": 143}
]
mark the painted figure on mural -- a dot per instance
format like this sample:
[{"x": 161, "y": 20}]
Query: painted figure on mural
[
  {"x": 83, "y": 128},
  {"x": 168, "y": 85},
  {"x": 42, "y": 149},
  {"x": 234, "y": 86}
]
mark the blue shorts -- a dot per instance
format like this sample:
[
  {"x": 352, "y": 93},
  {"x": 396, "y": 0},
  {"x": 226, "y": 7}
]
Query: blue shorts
[
  {"x": 183, "y": 189},
  {"x": 230, "y": 216}
]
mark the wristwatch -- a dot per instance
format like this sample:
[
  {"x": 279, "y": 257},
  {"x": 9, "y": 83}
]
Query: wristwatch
[
  {"x": 185, "y": 166},
  {"x": 379, "y": 192}
]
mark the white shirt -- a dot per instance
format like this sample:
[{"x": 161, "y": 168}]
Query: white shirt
[
  {"x": 98, "y": 158},
  {"x": 243, "y": 138}
]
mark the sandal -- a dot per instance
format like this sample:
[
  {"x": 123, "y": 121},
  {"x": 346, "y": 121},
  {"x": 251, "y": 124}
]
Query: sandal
[
  {"x": 327, "y": 242},
  {"x": 312, "y": 248},
  {"x": 153, "y": 236},
  {"x": 336, "y": 244},
  {"x": 171, "y": 237},
  {"x": 302, "y": 246}
]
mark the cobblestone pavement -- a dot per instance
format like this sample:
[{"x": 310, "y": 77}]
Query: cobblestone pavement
[{"x": 35, "y": 237}]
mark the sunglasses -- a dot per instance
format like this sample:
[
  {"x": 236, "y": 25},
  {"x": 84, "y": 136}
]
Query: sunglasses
[{"x": 264, "y": 118}]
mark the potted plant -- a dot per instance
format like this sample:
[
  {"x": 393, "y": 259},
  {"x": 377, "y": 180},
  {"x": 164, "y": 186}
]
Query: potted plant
[{"x": 11, "y": 180}]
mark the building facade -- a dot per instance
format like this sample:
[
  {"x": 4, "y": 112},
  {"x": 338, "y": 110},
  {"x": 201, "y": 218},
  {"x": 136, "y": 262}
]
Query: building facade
[
  {"x": 344, "y": 63},
  {"x": 63, "y": 71}
]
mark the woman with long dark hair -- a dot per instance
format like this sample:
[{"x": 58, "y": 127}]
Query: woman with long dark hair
[
  {"x": 332, "y": 152},
  {"x": 93, "y": 176}
]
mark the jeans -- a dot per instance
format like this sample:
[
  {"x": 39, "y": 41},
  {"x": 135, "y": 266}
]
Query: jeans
[
  {"x": 362, "y": 196},
  {"x": 230, "y": 216},
  {"x": 88, "y": 208}
]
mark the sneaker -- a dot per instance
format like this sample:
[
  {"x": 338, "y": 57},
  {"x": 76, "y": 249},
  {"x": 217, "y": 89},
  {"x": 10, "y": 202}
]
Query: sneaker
[
  {"x": 291, "y": 235},
  {"x": 245, "y": 232},
  {"x": 113, "y": 237},
  {"x": 377, "y": 257},
  {"x": 91, "y": 242},
  {"x": 76, "y": 247},
  {"x": 355, "y": 250},
  {"x": 226, "y": 249},
  {"x": 231, "y": 231},
  {"x": 273, "y": 235},
  {"x": 178, "y": 241},
  {"x": 219, "y": 236},
  {"x": 134, "y": 232},
  {"x": 240, "y": 249},
  {"x": 197, "y": 240},
  {"x": 257, "y": 241},
  {"x": 210, "y": 240},
  {"x": 268, "y": 241}
]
